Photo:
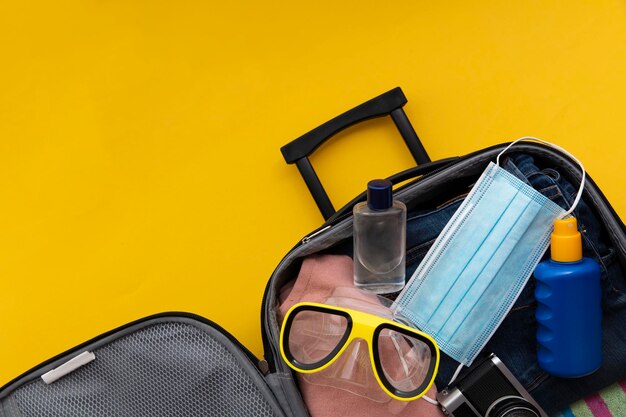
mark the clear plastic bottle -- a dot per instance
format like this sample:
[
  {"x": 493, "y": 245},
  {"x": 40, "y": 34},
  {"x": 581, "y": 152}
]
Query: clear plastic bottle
[{"x": 379, "y": 240}]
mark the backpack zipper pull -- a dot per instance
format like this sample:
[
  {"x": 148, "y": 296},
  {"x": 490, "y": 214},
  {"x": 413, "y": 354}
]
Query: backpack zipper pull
[
  {"x": 264, "y": 367},
  {"x": 308, "y": 238},
  {"x": 68, "y": 367}
]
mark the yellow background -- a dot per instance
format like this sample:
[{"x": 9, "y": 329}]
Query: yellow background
[{"x": 140, "y": 168}]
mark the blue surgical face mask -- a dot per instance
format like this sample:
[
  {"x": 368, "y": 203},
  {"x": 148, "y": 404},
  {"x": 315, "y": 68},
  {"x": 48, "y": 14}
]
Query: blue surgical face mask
[{"x": 479, "y": 264}]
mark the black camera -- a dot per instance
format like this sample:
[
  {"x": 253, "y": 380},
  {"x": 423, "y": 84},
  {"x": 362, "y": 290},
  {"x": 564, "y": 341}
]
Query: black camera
[{"x": 488, "y": 389}]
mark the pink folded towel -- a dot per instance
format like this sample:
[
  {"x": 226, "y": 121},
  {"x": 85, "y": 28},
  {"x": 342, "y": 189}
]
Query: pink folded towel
[{"x": 319, "y": 276}]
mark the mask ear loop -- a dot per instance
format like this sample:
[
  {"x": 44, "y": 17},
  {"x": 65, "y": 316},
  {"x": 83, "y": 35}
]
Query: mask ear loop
[
  {"x": 454, "y": 377},
  {"x": 552, "y": 145}
]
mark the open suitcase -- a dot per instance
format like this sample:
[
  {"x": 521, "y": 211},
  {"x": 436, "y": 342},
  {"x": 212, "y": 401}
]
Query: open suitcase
[{"x": 179, "y": 364}]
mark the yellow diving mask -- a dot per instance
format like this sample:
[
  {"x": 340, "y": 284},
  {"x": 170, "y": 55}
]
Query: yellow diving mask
[{"x": 403, "y": 360}]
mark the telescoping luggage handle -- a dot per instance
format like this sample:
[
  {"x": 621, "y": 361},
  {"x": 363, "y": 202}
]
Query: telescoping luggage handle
[{"x": 387, "y": 104}]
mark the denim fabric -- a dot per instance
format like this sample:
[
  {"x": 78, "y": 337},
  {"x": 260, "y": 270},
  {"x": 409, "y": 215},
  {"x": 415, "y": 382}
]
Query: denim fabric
[
  {"x": 514, "y": 342},
  {"x": 422, "y": 228}
]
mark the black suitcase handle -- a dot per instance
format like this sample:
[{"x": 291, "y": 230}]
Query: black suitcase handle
[{"x": 386, "y": 104}]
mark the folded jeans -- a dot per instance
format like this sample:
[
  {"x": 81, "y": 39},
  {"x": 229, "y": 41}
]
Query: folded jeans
[{"x": 514, "y": 342}]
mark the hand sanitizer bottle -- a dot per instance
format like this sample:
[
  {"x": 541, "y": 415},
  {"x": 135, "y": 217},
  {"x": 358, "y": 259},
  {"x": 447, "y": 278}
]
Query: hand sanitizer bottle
[
  {"x": 379, "y": 240},
  {"x": 569, "y": 313}
]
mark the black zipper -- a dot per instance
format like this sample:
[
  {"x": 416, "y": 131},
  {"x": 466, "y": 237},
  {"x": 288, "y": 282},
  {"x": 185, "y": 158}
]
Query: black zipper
[{"x": 174, "y": 314}]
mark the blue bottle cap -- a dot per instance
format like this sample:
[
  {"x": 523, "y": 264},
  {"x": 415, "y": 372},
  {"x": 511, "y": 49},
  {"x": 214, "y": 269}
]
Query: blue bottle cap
[{"x": 379, "y": 195}]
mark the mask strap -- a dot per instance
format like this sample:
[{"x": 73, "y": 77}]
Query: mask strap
[
  {"x": 429, "y": 400},
  {"x": 456, "y": 374},
  {"x": 552, "y": 145}
]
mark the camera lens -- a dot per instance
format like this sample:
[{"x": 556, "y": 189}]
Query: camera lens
[
  {"x": 512, "y": 407},
  {"x": 519, "y": 412}
]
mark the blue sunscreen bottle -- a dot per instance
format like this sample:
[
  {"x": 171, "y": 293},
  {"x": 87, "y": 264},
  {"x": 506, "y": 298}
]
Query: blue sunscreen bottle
[{"x": 569, "y": 313}]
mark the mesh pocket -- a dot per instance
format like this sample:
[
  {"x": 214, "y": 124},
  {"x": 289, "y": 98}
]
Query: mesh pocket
[{"x": 165, "y": 369}]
